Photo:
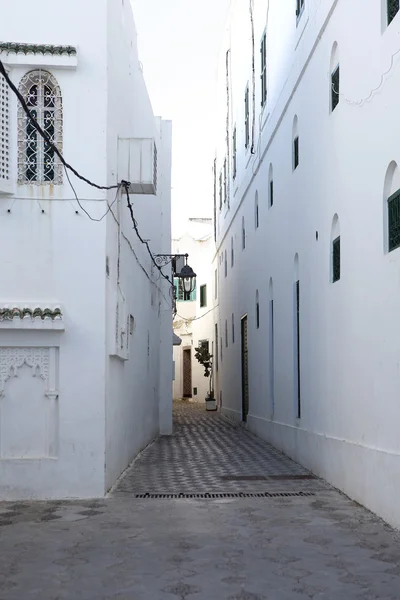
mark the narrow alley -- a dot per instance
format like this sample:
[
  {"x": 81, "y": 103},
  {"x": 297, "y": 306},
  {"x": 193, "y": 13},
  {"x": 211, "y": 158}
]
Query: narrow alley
[{"x": 257, "y": 526}]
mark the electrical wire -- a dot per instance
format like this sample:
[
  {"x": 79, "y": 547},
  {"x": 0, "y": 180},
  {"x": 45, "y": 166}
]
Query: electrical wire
[
  {"x": 197, "y": 318},
  {"x": 84, "y": 209},
  {"x": 44, "y": 135}
]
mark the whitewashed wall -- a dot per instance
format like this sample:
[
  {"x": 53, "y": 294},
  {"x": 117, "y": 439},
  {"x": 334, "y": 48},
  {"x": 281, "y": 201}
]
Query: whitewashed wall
[
  {"x": 105, "y": 410},
  {"x": 349, "y": 343}
]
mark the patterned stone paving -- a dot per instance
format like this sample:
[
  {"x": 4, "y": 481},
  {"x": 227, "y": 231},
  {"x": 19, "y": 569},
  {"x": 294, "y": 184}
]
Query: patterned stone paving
[{"x": 205, "y": 455}]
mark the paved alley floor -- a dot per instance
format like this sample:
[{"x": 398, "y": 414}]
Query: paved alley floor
[{"x": 242, "y": 537}]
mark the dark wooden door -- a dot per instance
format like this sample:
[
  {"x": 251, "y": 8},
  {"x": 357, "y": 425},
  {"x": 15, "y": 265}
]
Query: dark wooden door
[{"x": 245, "y": 369}]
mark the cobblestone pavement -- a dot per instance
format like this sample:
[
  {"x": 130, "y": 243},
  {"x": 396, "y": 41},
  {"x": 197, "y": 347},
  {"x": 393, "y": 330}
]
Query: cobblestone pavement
[
  {"x": 320, "y": 547},
  {"x": 208, "y": 453}
]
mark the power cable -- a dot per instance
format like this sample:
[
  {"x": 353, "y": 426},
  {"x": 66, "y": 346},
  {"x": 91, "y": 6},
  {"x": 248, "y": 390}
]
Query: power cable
[
  {"x": 84, "y": 209},
  {"x": 197, "y": 318},
  {"x": 44, "y": 135}
]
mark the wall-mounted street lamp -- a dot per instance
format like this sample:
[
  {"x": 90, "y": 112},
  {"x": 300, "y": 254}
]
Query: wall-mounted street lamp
[{"x": 179, "y": 270}]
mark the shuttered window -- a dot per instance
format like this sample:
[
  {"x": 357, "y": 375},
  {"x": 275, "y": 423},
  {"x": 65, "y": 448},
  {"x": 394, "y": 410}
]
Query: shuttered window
[{"x": 394, "y": 221}]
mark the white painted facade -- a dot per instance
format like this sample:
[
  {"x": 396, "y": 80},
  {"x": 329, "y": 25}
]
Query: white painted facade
[
  {"x": 349, "y": 343},
  {"x": 194, "y": 323},
  {"x": 84, "y": 392}
]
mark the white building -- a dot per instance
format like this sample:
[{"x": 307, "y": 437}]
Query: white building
[
  {"x": 85, "y": 320},
  {"x": 308, "y": 218},
  {"x": 194, "y": 321}
]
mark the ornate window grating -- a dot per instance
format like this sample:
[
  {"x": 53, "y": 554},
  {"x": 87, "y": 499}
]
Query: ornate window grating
[
  {"x": 394, "y": 221},
  {"x": 37, "y": 161},
  {"x": 4, "y": 131},
  {"x": 336, "y": 259},
  {"x": 393, "y": 7},
  {"x": 335, "y": 83}
]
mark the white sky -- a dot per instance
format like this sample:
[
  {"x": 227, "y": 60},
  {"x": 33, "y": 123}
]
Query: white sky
[{"x": 179, "y": 42}]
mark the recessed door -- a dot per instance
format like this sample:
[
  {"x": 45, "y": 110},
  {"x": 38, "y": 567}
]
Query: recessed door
[
  {"x": 245, "y": 369},
  {"x": 187, "y": 373}
]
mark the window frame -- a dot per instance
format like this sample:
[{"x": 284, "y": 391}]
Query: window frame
[
  {"x": 263, "y": 76},
  {"x": 247, "y": 117},
  {"x": 234, "y": 153},
  {"x": 389, "y": 16},
  {"x": 296, "y": 152},
  {"x": 203, "y": 296},
  {"x": 336, "y": 260},
  {"x": 391, "y": 200},
  {"x": 335, "y": 96}
]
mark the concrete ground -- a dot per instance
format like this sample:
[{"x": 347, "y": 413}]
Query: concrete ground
[{"x": 259, "y": 527}]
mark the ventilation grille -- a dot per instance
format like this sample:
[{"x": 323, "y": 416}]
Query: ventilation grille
[
  {"x": 4, "y": 131},
  {"x": 212, "y": 496}
]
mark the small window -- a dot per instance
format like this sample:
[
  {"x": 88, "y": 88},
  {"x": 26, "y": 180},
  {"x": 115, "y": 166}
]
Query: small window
[
  {"x": 393, "y": 7},
  {"x": 226, "y": 265},
  {"x": 225, "y": 182},
  {"x": 220, "y": 191},
  {"x": 221, "y": 350},
  {"x": 180, "y": 294},
  {"x": 336, "y": 259},
  {"x": 226, "y": 333},
  {"x": 233, "y": 328},
  {"x": 257, "y": 310},
  {"x": 234, "y": 154},
  {"x": 299, "y": 8},
  {"x": 394, "y": 221},
  {"x": 256, "y": 212},
  {"x": 243, "y": 235},
  {"x": 295, "y": 152},
  {"x": 263, "y": 51},
  {"x": 232, "y": 253},
  {"x": 247, "y": 117},
  {"x": 271, "y": 192},
  {"x": 203, "y": 296},
  {"x": 216, "y": 283},
  {"x": 335, "y": 83}
]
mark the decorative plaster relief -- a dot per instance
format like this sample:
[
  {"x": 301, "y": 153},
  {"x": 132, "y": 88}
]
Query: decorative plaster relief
[{"x": 28, "y": 402}]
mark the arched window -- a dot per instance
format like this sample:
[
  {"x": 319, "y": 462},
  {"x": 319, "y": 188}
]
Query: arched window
[
  {"x": 37, "y": 161},
  {"x": 257, "y": 310},
  {"x": 270, "y": 186},
  {"x": 256, "y": 212},
  {"x": 296, "y": 337},
  {"x": 391, "y": 208},
  {"x": 335, "y": 250},
  {"x": 295, "y": 144},
  {"x": 232, "y": 253},
  {"x": 243, "y": 234},
  {"x": 334, "y": 78}
]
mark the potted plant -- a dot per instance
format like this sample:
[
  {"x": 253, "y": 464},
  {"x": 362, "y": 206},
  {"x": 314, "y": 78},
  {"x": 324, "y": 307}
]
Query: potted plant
[{"x": 206, "y": 359}]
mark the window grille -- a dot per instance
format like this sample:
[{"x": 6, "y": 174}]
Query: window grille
[
  {"x": 336, "y": 259},
  {"x": 296, "y": 152},
  {"x": 203, "y": 296},
  {"x": 4, "y": 131},
  {"x": 257, "y": 213},
  {"x": 335, "y": 83},
  {"x": 234, "y": 154},
  {"x": 299, "y": 7},
  {"x": 233, "y": 328},
  {"x": 394, "y": 221},
  {"x": 247, "y": 117},
  {"x": 37, "y": 161},
  {"x": 393, "y": 7},
  {"x": 257, "y": 311},
  {"x": 264, "y": 70},
  {"x": 271, "y": 192}
]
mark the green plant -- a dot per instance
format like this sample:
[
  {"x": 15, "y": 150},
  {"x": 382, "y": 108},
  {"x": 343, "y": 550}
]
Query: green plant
[{"x": 206, "y": 360}]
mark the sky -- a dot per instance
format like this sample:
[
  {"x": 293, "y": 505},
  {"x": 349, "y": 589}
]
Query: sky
[{"x": 179, "y": 43}]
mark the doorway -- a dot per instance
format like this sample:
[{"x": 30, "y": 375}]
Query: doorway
[
  {"x": 187, "y": 373},
  {"x": 245, "y": 369}
]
